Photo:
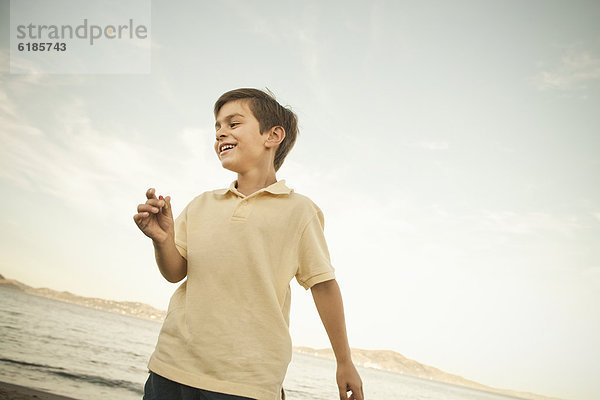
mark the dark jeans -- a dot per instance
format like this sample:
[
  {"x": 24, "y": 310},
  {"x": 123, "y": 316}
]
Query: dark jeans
[{"x": 160, "y": 388}]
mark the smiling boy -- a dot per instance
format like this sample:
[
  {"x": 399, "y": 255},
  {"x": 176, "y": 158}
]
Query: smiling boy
[{"x": 226, "y": 334}]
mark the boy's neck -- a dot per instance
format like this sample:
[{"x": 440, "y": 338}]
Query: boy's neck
[{"x": 250, "y": 183}]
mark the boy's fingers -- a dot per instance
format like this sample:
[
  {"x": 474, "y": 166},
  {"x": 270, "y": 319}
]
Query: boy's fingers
[
  {"x": 166, "y": 208},
  {"x": 137, "y": 218},
  {"x": 147, "y": 207},
  {"x": 150, "y": 193},
  {"x": 156, "y": 202},
  {"x": 357, "y": 392}
]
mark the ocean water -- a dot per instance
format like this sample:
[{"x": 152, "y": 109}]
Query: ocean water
[{"x": 90, "y": 354}]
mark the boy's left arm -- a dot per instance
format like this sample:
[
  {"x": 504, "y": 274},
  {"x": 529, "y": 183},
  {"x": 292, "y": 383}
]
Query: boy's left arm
[{"x": 328, "y": 299}]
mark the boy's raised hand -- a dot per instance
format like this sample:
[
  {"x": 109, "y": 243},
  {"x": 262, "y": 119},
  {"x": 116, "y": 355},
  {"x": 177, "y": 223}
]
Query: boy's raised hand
[{"x": 155, "y": 217}]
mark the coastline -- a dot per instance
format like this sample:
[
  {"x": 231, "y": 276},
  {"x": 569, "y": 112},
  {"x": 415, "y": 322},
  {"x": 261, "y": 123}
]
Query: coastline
[
  {"x": 384, "y": 360},
  {"x": 9, "y": 391}
]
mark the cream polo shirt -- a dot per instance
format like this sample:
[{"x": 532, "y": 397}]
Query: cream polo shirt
[{"x": 227, "y": 326}]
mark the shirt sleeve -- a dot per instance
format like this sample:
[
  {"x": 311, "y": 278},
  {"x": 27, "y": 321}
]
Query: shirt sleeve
[
  {"x": 180, "y": 227},
  {"x": 314, "y": 264}
]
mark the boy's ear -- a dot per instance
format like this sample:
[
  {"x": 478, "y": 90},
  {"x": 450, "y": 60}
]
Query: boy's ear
[{"x": 275, "y": 136}]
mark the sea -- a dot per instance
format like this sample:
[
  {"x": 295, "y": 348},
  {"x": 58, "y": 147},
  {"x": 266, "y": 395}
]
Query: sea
[{"x": 90, "y": 354}]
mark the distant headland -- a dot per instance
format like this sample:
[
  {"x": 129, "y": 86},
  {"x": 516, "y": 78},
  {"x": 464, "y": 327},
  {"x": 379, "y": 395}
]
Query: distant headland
[{"x": 134, "y": 309}]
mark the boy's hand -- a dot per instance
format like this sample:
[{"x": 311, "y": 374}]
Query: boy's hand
[
  {"x": 348, "y": 380},
  {"x": 155, "y": 217}
]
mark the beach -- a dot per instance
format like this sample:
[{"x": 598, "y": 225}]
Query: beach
[{"x": 9, "y": 391}]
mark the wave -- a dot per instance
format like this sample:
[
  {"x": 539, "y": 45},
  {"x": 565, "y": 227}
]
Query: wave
[
  {"x": 28, "y": 364},
  {"x": 80, "y": 377},
  {"x": 103, "y": 381}
]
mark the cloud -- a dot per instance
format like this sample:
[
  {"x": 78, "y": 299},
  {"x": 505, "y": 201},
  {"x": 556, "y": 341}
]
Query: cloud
[
  {"x": 528, "y": 223},
  {"x": 28, "y": 71},
  {"x": 430, "y": 144},
  {"x": 30, "y": 76},
  {"x": 377, "y": 22},
  {"x": 577, "y": 70},
  {"x": 7, "y": 109},
  {"x": 96, "y": 172},
  {"x": 433, "y": 145}
]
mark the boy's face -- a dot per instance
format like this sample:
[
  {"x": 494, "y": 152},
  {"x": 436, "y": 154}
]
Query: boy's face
[{"x": 236, "y": 125}]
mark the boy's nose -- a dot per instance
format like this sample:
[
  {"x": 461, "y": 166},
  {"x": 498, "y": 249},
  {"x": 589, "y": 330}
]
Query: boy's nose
[{"x": 220, "y": 135}]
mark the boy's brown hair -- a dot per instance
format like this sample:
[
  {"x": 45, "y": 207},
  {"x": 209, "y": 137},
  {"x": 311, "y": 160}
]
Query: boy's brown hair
[{"x": 269, "y": 113}]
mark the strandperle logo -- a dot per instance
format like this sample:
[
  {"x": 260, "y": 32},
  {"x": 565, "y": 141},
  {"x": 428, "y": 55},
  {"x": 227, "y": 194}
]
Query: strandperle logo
[
  {"x": 83, "y": 31},
  {"x": 80, "y": 37}
]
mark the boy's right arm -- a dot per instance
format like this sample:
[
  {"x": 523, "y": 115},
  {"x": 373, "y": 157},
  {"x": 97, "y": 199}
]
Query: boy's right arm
[{"x": 155, "y": 219}]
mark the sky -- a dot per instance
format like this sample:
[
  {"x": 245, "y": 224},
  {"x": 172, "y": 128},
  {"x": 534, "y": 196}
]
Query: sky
[{"x": 452, "y": 146}]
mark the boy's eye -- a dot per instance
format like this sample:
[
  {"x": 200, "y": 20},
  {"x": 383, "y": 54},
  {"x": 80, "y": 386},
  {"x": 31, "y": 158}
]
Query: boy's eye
[{"x": 233, "y": 124}]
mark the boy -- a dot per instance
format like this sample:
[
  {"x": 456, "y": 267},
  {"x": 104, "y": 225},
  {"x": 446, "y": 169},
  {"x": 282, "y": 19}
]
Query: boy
[{"x": 226, "y": 334}]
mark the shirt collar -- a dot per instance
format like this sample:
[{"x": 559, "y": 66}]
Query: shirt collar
[{"x": 278, "y": 187}]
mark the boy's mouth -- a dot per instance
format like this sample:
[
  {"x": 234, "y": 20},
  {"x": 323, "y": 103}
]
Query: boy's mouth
[{"x": 226, "y": 148}]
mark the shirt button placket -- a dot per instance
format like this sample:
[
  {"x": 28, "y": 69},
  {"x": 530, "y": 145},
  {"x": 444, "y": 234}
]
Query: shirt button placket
[{"x": 242, "y": 210}]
